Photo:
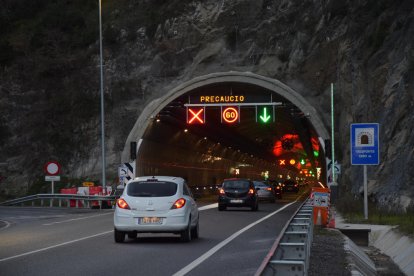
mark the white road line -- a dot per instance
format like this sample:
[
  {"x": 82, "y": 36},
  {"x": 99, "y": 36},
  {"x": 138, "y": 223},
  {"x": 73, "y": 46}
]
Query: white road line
[
  {"x": 210, "y": 206},
  {"x": 70, "y": 220},
  {"x": 6, "y": 226},
  {"x": 216, "y": 248},
  {"x": 54, "y": 246}
]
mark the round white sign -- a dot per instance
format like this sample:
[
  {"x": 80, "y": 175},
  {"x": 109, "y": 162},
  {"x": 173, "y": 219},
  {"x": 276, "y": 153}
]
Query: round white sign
[{"x": 52, "y": 168}]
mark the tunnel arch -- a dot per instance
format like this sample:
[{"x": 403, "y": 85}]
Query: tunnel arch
[{"x": 154, "y": 107}]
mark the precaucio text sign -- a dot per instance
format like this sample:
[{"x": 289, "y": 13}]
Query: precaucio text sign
[{"x": 364, "y": 144}]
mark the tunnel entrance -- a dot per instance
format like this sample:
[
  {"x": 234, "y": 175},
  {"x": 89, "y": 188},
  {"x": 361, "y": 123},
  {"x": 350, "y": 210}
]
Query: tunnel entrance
[{"x": 229, "y": 124}]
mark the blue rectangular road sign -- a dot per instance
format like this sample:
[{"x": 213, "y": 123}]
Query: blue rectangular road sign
[{"x": 364, "y": 144}]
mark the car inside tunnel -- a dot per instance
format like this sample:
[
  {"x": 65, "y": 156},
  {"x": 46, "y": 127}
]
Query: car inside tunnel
[{"x": 189, "y": 137}]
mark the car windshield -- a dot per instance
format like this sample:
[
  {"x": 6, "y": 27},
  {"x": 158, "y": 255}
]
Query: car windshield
[
  {"x": 152, "y": 189},
  {"x": 236, "y": 184}
]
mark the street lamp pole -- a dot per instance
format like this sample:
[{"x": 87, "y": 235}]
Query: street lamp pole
[{"x": 102, "y": 100}]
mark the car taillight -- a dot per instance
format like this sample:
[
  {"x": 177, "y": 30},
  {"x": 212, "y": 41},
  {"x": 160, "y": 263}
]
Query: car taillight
[
  {"x": 179, "y": 203},
  {"x": 296, "y": 185},
  {"x": 251, "y": 192},
  {"x": 269, "y": 189},
  {"x": 122, "y": 204},
  {"x": 221, "y": 191},
  {"x": 278, "y": 187}
]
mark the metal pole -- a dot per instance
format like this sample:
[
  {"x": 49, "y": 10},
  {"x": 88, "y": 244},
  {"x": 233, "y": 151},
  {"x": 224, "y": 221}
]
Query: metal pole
[
  {"x": 102, "y": 99},
  {"x": 332, "y": 136},
  {"x": 365, "y": 193},
  {"x": 53, "y": 192}
]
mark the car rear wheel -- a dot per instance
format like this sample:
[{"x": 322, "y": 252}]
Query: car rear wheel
[
  {"x": 119, "y": 236},
  {"x": 186, "y": 234},
  {"x": 195, "y": 232},
  {"x": 255, "y": 207}
]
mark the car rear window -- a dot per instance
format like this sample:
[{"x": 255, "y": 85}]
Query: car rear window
[
  {"x": 152, "y": 189},
  {"x": 236, "y": 184},
  {"x": 258, "y": 183},
  {"x": 289, "y": 183}
]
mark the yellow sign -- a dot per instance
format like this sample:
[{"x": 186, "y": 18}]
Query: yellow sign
[
  {"x": 88, "y": 184},
  {"x": 222, "y": 99}
]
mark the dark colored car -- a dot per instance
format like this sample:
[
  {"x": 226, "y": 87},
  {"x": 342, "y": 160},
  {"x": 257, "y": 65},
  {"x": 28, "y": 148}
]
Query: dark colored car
[
  {"x": 277, "y": 188},
  {"x": 237, "y": 192},
  {"x": 290, "y": 186}
]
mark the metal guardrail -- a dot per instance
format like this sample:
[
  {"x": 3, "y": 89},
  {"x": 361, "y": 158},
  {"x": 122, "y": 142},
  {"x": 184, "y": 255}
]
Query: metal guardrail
[
  {"x": 59, "y": 198},
  {"x": 290, "y": 253}
]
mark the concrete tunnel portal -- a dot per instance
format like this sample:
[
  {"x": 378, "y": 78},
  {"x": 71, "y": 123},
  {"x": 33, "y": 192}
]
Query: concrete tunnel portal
[{"x": 209, "y": 150}]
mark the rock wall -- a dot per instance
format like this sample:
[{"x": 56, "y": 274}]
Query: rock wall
[{"x": 363, "y": 47}]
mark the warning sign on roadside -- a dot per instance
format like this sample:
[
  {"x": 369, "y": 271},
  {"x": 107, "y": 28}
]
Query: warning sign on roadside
[{"x": 320, "y": 199}]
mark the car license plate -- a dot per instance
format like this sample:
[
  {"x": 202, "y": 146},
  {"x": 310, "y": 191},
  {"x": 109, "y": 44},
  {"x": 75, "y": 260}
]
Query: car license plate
[
  {"x": 150, "y": 220},
  {"x": 236, "y": 201}
]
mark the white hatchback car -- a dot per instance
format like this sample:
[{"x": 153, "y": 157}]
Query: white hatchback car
[{"x": 156, "y": 204}]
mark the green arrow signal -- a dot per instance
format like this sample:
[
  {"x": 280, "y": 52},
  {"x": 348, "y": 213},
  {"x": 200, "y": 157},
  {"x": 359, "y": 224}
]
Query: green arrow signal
[{"x": 265, "y": 117}]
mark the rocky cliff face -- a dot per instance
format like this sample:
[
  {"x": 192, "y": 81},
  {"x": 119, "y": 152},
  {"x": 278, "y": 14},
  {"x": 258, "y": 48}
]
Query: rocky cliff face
[{"x": 49, "y": 78}]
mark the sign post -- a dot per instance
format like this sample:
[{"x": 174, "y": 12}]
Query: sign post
[
  {"x": 365, "y": 151},
  {"x": 52, "y": 169}
]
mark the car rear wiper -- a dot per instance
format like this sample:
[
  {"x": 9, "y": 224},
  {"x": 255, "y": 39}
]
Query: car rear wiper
[{"x": 143, "y": 194}]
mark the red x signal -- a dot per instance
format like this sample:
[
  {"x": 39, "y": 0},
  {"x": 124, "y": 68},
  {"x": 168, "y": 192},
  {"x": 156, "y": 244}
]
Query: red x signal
[
  {"x": 195, "y": 116},
  {"x": 282, "y": 162}
]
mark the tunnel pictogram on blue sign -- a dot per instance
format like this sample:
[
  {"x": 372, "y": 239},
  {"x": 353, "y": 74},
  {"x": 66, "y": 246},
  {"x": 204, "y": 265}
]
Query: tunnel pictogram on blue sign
[{"x": 364, "y": 144}]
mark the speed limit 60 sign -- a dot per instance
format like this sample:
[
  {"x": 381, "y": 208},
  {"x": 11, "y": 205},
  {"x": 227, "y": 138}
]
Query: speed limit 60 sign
[{"x": 52, "y": 168}]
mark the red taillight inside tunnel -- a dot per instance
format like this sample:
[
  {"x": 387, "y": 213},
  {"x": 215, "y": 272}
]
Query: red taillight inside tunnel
[
  {"x": 122, "y": 204},
  {"x": 221, "y": 191},
  {"x": 179, "y": 203},
  {"x": 251, "y": 192}
]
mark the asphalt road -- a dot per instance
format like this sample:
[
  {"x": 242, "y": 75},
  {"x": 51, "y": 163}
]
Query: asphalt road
[{"x": 61, "y": 241}]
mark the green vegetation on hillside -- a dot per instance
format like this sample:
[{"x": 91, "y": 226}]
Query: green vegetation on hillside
[{"x": 352, "y": 210}]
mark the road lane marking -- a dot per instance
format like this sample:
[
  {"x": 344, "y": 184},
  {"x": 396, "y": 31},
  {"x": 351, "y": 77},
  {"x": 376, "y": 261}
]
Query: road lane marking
[
  {"x": 216, "y": 248},
  {"x": 70, "y": 220},
  {"x": 210, "y": 206},
  {"x": 6, "y": 226},
  {"x": 54, "y": 246}
]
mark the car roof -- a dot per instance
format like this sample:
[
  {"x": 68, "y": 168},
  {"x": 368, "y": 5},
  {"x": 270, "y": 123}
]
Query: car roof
[
  {"x": 175, "y": 179},
  {"x": 235, "y": 179}
]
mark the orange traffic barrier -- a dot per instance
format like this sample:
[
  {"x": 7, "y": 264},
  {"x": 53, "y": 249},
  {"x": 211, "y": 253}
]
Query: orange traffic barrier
[{"x": 321, "y": 203}]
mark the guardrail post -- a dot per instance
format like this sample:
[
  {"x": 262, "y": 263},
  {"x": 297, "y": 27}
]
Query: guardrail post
[{"x": 60, "y": 202}]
